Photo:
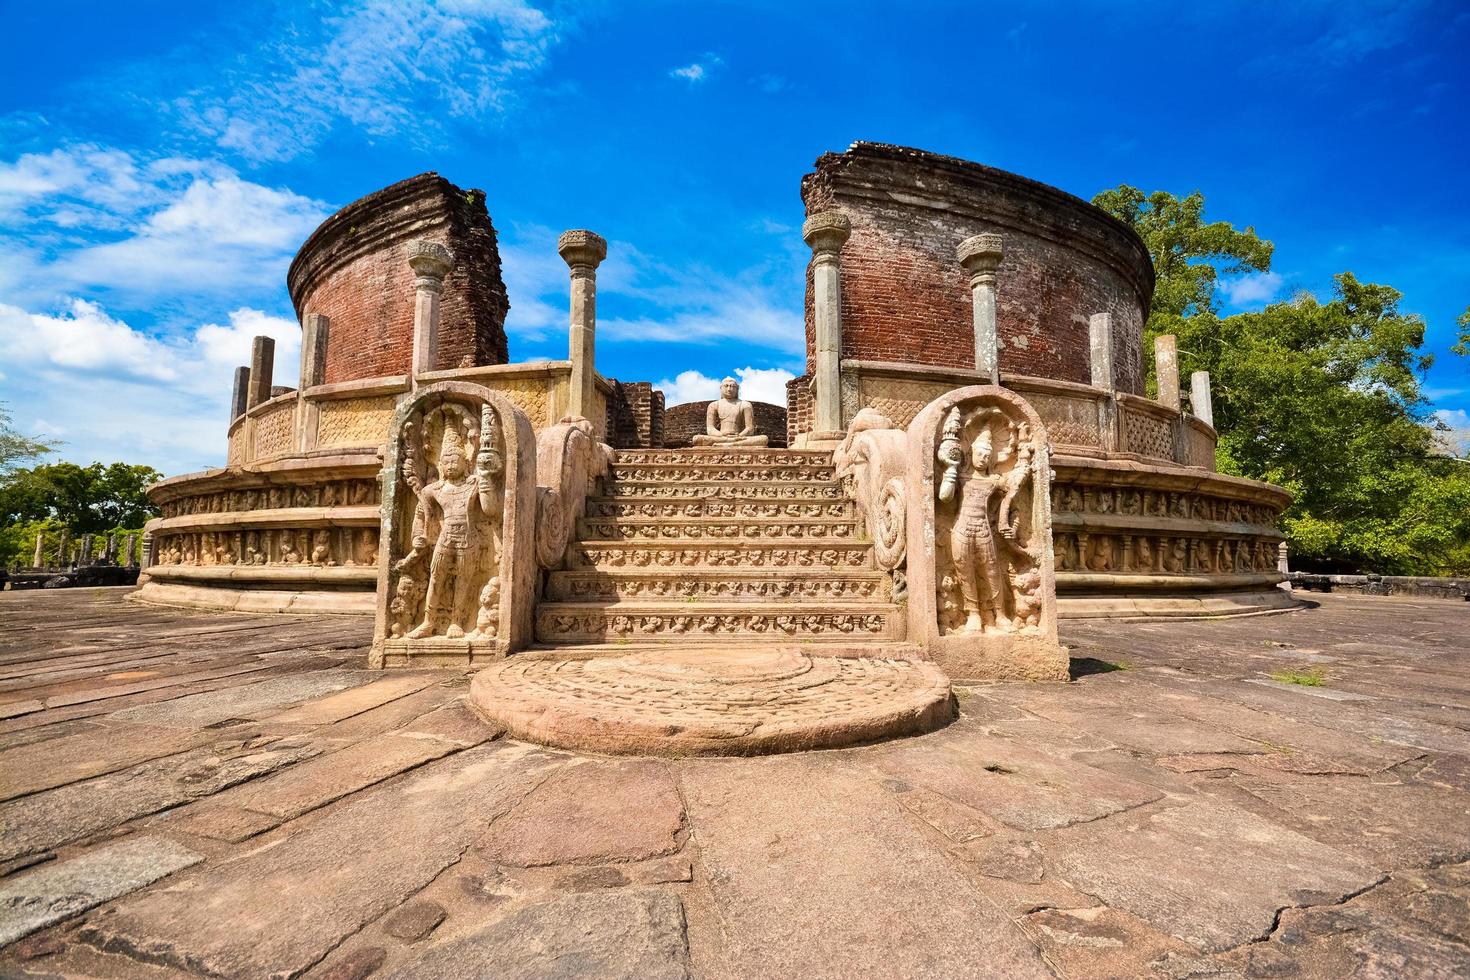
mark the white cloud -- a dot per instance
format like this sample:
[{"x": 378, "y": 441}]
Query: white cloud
[
  {"x": 697, "y": 71},
  {"x": 100, "y": 218},
  {"x": 116, "y": 393},
  {"x": 756, "y": 385},
  {"x": 388, "y": 67},
  {"x": 1255, "y": 288}
]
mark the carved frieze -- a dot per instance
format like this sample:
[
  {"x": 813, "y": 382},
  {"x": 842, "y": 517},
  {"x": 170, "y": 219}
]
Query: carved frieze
[
  {"x": 638, "y": 473},
  {"x": 594, "y": 555},
  {"x": 353, "y": 421},
  {"x": 714, "y": 587},
  {"x": 323, "y": 547},
  {"x": 775, "y": 625},
  {"x": 329, "y": 493},
  {"x": 728, "y": 491},
  {"x": 717, "y": 508},
  {"x": 600, "y": 530}
]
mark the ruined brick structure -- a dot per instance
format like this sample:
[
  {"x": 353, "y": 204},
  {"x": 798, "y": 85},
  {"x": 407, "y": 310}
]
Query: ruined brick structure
[
  {"x": 683, "y": 422},
  {"x": 352, "y": 271},
  {"x": 636, "y": 415}
]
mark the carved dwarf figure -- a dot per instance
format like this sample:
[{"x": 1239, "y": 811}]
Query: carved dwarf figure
[
  {"x": 487, "y": 620},
  {"x": 729, "y": 421},
  {"x": 461, "y": 505}
]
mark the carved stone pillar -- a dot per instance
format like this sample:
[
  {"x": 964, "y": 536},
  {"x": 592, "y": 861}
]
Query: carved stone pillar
[
  {"x": 1166, "y": 370},
  {"x": 240, "y": 392},
  {"x": 313, "y": 372},
  {"x": 111, "y": 553},
  {"x": 262, "y": 363},
  {"x": 1100, "y": 344},
  {"x": 130, "y": 551},
  {"x": 430, "y": 262},
  {"x": 146, "y": 559},
  {"x": 582, "y": 251},
  {"x": 826, "y": 233},
  {"x": 61, "y": 549},
  {"x": 981, "y": 255},
  {"x": 1200, "y": 401},
  {"x": 40, "y": 550},
  {"x": 86, "y": 552}
]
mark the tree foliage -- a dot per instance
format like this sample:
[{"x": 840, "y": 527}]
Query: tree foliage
[
  {"x": 85, "y": 499},
  {"x": 1323, "y": 398}
]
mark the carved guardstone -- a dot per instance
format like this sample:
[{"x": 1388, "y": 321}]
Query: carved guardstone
[
  {"x": 981, "y": 581},
  {"x": 456, "y": 561},
  {"x": 729, "y": 422}
]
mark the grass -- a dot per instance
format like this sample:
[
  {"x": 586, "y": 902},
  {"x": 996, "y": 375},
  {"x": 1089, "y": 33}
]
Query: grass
[{"x": 1305, "y": 678}]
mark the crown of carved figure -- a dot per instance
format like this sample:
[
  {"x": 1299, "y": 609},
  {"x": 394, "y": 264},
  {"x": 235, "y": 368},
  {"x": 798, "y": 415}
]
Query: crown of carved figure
[{"x": 451, "y": 442}]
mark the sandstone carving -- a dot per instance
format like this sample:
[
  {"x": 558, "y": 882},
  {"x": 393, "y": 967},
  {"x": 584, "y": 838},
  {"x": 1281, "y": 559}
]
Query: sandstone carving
[
  {"x": 569, "y": 462},
  {"x": 729, "y": 421},
  {"x": 457, "y": 578},
  {"x": 872, "y": 462},
  {"x": 982, "y": 594}
]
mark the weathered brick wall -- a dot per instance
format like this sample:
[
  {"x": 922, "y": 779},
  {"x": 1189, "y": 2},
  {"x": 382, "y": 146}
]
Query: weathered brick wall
[
  {"x": 636, "y": 416},
  {"x": 906, "y": 298},
  {"x": 353, "y": 270},
  {"x": 683, "y": 422},
  {"x": 798, "y": 406}
]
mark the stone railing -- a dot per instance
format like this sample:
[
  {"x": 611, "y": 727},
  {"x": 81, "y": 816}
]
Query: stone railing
[{"x": 1081, "y": 420}]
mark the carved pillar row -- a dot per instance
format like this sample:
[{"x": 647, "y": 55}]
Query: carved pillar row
[
  {"x": 582, "y": 251},
  {"x": 981, "y": 257},
  {"x": 826, "y": 233},
  {"x": 430, "y": 263}
]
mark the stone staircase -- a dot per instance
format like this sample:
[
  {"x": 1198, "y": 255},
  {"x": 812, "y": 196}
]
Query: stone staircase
[{"x": 718, "y": 546}]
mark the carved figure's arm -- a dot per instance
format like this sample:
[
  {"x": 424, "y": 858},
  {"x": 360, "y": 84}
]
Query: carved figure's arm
[
  {"x": 747, "y": 419},
  {"x": 712, "y": 419},
  {"x": 488, "y": 464},
  {"x": 1015, "y": 481},
  {"x": 420, "y": 536}
]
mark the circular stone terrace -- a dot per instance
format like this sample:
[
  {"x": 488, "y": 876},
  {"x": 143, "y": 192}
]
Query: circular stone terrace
[{"x": 701, "y": 702}]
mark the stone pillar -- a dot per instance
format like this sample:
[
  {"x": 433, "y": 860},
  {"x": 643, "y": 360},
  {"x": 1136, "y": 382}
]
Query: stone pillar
[
  {"x": 130, "y": 551},
  {"x": 40, "y": 550},
  {"x": 145, "y": 560},
  {"x": 61, "y": 549},
  {"x": 86, "y": 552},
  {"x": 582, "y": 251},
  {"x": 111, "y": 552},
  {"x": 313, "y": 372},
  {"x": 430, "y": 262},
  {"x": 262, "y": 363},
  {"x": 1100, "y": 340},
  {"x": 825, "y": 233},
  {"x": 1200, "y": 401},
  {"x": 240, "y": 395},
  {"x": 980, "y": 255},
  {"x": 1166, "y": 370}
]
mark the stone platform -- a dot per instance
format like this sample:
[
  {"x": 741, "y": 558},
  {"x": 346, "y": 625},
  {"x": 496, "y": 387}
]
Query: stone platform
[
  {"x": 699, "y": 702},
  {"x": 190, "y": 794}
]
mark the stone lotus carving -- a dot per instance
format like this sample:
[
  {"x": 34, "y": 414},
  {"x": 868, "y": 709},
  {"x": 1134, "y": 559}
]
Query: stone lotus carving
[{"x": 456, "y": 578}]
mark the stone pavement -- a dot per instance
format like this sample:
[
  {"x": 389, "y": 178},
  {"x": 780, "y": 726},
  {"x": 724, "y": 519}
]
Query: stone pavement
[{"x": 186, "y": 794}]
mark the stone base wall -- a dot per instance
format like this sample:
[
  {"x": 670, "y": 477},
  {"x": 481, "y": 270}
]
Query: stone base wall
[{"x": 1417, "y": 586}]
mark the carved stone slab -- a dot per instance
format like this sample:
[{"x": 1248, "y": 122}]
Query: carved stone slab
[
  {"x": 981, "y": 577},
  {"x": 456, "y": 560}
]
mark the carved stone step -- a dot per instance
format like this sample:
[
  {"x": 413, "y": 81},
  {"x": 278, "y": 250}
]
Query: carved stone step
[
  {"x": 721, "y": 490},
  {"x": 696, "y": 556},
  {"x": 682, "y": 472},
  {"x": 655, "y": 530},
  {"x": 663, "y": 622},
  {"x": 731, "y": 457},
  {"x": 640, "y": 507},
  {"x": 721, "y": 585}
]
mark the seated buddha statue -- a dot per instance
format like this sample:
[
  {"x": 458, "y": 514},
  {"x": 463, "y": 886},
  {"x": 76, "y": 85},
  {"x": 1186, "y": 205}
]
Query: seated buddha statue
[{"x": 729, "y": 421}]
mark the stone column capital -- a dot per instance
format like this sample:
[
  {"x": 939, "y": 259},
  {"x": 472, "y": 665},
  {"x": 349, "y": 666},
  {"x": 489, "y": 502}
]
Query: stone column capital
[
  {"x": 430, "y": 263},
  {"x": 980, "y": 255},
  {"x": 826, "y": 232},
  {"x": 582, "y": 251}
]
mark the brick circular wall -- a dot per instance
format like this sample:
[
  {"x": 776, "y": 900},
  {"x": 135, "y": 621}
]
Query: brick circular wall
[
  {"x": 353, "y": 270},
  {"x": 683, "y": 422},
  {"x": 906, "y": 298}
]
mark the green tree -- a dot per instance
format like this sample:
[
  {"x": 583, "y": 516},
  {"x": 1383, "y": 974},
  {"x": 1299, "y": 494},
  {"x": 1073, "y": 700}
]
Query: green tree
[
  {"x": 85, "y": 499},
  {"x": 1188, "y": 252},
  {"x": 1322, "y": 398}
]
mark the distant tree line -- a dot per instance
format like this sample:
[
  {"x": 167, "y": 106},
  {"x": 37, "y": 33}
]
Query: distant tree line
[
  {"x": 98, "y": 499},
  {"x": 1322, "y": 396}
]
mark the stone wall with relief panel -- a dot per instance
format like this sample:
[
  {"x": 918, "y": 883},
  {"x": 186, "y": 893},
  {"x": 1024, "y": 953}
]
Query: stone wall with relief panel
[
  {"x": 275, "y": 429},
  {"x": 354, "y": 421}
]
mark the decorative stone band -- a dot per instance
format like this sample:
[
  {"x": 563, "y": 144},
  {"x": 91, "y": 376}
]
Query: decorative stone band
[
  {"x": 718, "y": 624},
  {"x": 754, "y": 530},
  {"x": 700, "y": 555},
  {"x": 634, "y": 474},
  {"x": 722, "y": 457},
  {"x": 729, "y": 491},
  {"x": 720, "y": 586},
  {"x": 718, "y": 508}
]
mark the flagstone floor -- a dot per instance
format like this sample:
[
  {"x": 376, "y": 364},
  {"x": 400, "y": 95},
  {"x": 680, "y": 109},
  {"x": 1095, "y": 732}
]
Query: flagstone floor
[{"x": 186, "y": 794}]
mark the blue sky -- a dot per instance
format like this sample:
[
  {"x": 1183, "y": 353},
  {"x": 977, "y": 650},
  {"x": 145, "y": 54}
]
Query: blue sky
[{"x": 160, "y": 162}]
